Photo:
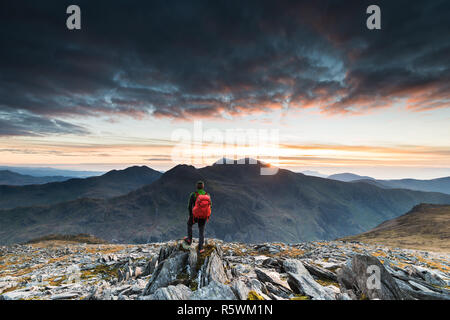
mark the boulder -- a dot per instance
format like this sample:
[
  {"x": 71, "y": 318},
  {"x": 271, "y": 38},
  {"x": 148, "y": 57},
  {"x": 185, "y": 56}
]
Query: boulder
[{"x": 360, "y": 277}]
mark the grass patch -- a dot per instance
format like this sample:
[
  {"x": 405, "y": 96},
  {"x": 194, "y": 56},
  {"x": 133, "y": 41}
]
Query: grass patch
[
  {"x": 106, "y": 272},
  {"x": 299, "y": 297},
  {"x": 253, "y": 295},
  {"x": 327, "y": 283}
]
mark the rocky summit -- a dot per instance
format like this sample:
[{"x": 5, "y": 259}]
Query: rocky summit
[{"x": 332, "y": 270}]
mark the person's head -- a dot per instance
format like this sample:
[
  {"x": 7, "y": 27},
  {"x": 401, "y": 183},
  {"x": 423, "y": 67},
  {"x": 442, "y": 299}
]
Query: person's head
[{"x": 200, "y": 185}]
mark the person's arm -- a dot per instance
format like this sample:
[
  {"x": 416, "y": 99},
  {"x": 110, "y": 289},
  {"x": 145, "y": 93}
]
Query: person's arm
[{"x": 191, "y": 203}]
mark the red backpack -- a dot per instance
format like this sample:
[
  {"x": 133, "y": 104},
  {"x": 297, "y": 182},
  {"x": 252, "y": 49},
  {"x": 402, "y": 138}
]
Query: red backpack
[{"x": 202, "y": 207}]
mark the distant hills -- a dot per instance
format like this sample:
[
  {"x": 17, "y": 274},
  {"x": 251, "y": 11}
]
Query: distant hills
[
  {"x": 111, "y": 184},
  {"x": 347, "y": 177},
  {"x": 425, "y": 227},
  {"x": 16, "y": 179},
  {"x": 247, "y": 207},
  {"x": 44, "y": 171},
  {"x": 432, "y": 185},
  {"x": 314, "y": 174}
]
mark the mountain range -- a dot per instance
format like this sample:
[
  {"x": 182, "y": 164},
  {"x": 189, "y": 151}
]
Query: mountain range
[
  {"x": 47, "y": 171},
  {"x": 247, "y": 207},
  {"x": 432, "y": 185},
  {"x": 16, "y": 179},
  {"x": 111, "y": 184}
]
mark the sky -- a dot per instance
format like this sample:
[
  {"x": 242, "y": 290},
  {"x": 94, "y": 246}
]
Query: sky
[{"x": 304, "y": 85}]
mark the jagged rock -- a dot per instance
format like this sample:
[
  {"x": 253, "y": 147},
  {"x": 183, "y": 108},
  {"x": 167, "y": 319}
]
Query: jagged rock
[
  {"x": 240, "y": 289},
  {"x": 179, "y": 292},
  {"x": 426, "y": 275},
  {"x": 241, "y": 263},
  {"x": 167, "y": 271},
  {"x": 151, "y": 265},
  {"x": 17, "y": 295},
  {"x": 273, "y": 263},
  {"x": 166, "y": 251},
  {"x": 192, "y": 262},
  {"x": 320, "y": 272},
  {"x": 214, "y": 291},
  {"x": 212, "y": 270},
  {"x": 137, "y": 272},
  {"x": 301, "y": 281},
  {"x": 102, "y": 292},
  {"x": 357, "y": 279},
  {"x": 278, "y": 291}
]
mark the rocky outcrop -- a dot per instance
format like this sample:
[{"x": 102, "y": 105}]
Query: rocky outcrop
[
  {"x": 368, "y": 277},
  {"x": 213, "y": 269},
  {"x": 301, "y": 281},
  {"x": 168, "y": 271}
]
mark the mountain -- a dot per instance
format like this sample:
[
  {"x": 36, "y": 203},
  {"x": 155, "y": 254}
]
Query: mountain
[
  {"x": 314, "y": 174},
  {"x": 347, "y": 177},
  {"x": 247, "y": 207},
  {"x": 425, "y": 227},
  {"x": 112, "y": 183},
  {"x": 16, "y": 179},
  {"x": 43, "y": 172},
  {"x": 433, "y": 185}
]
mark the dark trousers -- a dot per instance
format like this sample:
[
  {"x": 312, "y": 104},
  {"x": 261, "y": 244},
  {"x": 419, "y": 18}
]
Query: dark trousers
[{"x": 201, "y": 230}]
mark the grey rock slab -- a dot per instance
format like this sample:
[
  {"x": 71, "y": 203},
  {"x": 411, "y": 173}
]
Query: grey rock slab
[
  {"x": 370, "y": 278},
  {"x": 64, "y": 296},
  {"x": 18, "y": 295},
  {"x": 214, "y": 291},
  {"x": 320, "y": 272},
  {"x": 240, "y": 289},
  {"x": 213, "y": 270},
  {"x": 306, "y": 285},
  {"x": 178, "y": 292},
  {"x": 166, "y": 272},
  {"x": 301, "y": 281}
]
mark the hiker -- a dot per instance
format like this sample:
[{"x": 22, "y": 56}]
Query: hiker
[{"x": 199, "y": 208}]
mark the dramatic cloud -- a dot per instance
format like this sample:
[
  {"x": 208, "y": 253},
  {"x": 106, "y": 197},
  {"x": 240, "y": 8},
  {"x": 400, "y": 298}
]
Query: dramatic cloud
[{"x": 190, "y": 59}]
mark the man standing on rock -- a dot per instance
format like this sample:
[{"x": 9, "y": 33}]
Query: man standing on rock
[{"x": 199, "y": 208}]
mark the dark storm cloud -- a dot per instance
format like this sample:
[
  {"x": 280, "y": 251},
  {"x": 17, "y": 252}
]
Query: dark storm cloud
[
  {"x": 19, "y": 123},
  {"x": 188, "y": 59}
]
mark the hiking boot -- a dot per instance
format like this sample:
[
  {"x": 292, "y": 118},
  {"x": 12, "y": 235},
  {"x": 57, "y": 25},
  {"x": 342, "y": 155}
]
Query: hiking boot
[
  {"x": 201, "y": 250},
  {"x": 187, "y": 240}
]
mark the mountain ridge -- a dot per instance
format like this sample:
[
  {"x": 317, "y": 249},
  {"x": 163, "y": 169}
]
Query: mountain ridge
[
  {"x": 11, "y": 178},
  {"x": 426, "y": 226},
  {"x": 110, "y": 184},
  {"x": 247, "y": 207}
]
